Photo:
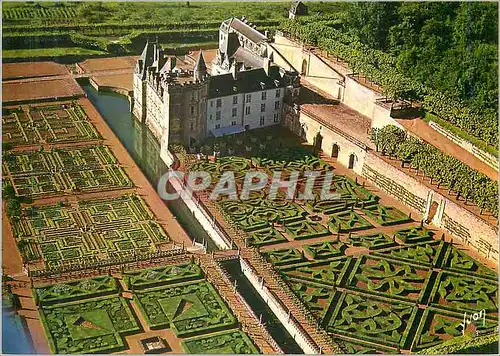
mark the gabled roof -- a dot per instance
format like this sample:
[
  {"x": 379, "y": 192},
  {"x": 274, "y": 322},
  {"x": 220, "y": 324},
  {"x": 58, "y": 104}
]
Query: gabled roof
[
  {"x": 230, "y": 44},
  {"x": 246, "y": 30},
  {"x": 299, "y": 8},
  {"x": 146, "y": 59}
]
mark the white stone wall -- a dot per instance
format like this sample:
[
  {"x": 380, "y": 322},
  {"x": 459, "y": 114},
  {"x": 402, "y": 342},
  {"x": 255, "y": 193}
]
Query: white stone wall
[
  {"x": 242, "y": 118},
  {"x": 290, "y": 325},
  {"x": 347, "y": 147},
  {"x": 154, "y": 111},
  {"x": 138, "y": 97},
  {"x": 459, "y": 222}
]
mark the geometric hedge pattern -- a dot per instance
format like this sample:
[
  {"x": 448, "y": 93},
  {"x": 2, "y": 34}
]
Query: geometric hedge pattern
[
  {"x": 40, "y": 174},
  {"x": 404, "y": 297},
  {"x": 58, "y": 123},
  {"x": 90, "y": 231},
  {"x": 101, "y": 318},
  {"x": 403, "y": 291}
]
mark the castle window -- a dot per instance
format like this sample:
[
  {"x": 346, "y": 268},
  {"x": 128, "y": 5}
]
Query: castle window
[
  {"x": 264, "y": 95},
  {"x": 235, "y": 99},
  {"x": 249, "y": 98},
  {"x": 262, "y": 107},
  {"x": 262, "y": 120},
  {"x": 233, "y": 123},
  {"x": 192, "y": 110},
  {"x": 247, "y": 110},
  {"x": 278, "y": 93},
  {"x": 217, "y": 126},
  {"x": 276, "y": 117},
  {"x": 219, "y": 103},
  {"x": 276, "y": 105},
  {"x": 217, "y": 115},
  {"x": 192, "y": 126},
  {"x": 211, "y": 103},
  {"x": 211, "y": 116},
  {"x": 235, "y": 112}
]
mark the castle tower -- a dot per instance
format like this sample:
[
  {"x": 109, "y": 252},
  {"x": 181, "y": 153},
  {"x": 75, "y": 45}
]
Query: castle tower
[{"x": 200, "y": 68}]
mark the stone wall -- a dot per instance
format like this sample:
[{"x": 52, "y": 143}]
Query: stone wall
[
  {"x": 457, "y": 221},
  {"x": 484, "y": 156},
  {"x": 347, "y": 146},
  {"x": 395, "y": 189},
  {"x": 276, "y": 306}
]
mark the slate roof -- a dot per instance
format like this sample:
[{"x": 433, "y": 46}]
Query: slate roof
[
  {"x": 247, "y": 81},
  {"x": 298, "y": 8},
  {"x": 248, "y": 58},
  {"x": 200, "y": 65}
]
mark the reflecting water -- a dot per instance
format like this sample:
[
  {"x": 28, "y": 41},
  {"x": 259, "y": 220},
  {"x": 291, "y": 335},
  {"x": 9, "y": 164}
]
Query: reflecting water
[
  {"x": 15, "y": 338},
  {"x": 259, "y": 306},
  {"x": 144, "y": 149}
]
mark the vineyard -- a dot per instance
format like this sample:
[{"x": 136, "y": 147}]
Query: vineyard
[
  {"x": 76, "y": 31},
  {"x": 54, "y": 13},
  {"x": 443, "y": 169},
  {"x": 380, "y": 67}
]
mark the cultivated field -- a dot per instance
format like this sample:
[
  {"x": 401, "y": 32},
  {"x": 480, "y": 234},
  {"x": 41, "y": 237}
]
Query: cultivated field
[
  {"x": 59, "y": 123},
  {"x": 58, "y": 171},
  {"x": 88, "y": 232},
  {"x": 32, "y": 69},
  {"x": 55, "y": 89}
]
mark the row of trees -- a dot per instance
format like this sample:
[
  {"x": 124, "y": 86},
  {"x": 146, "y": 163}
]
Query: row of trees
[
  {"x": 441, "y": 168},
  {"x": 382, "y": 68}
]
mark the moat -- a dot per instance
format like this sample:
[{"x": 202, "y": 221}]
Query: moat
[{"x": 145, "y": 150}]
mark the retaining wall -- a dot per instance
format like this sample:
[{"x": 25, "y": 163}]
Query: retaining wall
[
  {"x": 290, "y": 325},
  {"x": 470, "y": 229}
]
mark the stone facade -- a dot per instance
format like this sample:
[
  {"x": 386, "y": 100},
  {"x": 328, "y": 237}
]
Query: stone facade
[{"x": 186, "y": 105}]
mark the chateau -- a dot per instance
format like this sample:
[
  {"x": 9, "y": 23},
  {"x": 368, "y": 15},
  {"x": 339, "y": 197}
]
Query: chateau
[{"x": 245, "y": 89}]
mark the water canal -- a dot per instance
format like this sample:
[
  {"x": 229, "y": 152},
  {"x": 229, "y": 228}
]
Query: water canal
[{"x": 145, "y": 150}]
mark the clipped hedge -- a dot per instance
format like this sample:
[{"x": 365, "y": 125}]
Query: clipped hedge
[
  {"x": 438, "y": 166},
  {"x": 467, "y": 344}
]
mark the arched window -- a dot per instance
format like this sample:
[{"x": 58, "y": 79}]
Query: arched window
[
  {"x": 353, "y": 159},
  {"x": 304, "y": 67},
  {"x": 335, "y": 150}
]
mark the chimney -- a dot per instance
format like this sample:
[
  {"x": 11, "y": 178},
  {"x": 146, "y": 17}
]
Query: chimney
[
  {"x": 234, "y": 70},
  {"x": 267, "y": 65}
]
